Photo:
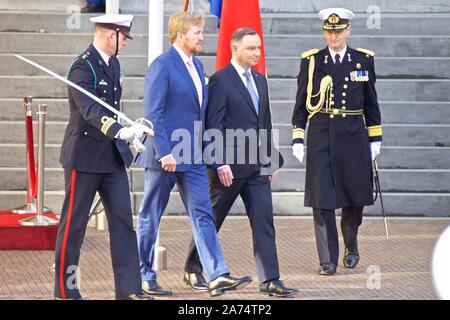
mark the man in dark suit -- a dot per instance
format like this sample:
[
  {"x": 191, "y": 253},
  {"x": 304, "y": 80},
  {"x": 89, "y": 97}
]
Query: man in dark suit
[
  {"x": 94, "y": 155},
  {"x": 175, "y": 100},
  {"x": 336, "y": 95},
  {"x": 239, "y": 103}
]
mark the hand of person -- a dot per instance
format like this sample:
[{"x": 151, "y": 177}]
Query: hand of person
[
  {"x": 137, "y": 130},
  {"x": 298, "y": 150},
  {"x": 375, "y": 149},
  {"x": 168, "y": 163},
  {"x": 273, "y": 176},
  {"x": 225, "y": 175}
]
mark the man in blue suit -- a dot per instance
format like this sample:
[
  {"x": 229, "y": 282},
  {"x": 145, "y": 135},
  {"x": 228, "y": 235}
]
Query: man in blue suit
[
  {"x": 175, "y": 97},
  {"x": 239, "y": 101}
]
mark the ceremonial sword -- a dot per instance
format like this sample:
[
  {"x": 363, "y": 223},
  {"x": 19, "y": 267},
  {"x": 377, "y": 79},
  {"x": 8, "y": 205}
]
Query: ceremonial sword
[
  {"x": 378, "y": 191},
  {"x": 120, "y": 115}
]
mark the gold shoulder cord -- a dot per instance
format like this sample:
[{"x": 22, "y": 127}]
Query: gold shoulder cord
[{"x": 326, "y": 88}]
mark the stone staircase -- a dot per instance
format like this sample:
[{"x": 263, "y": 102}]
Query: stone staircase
[{"x": 412, "y": 64}]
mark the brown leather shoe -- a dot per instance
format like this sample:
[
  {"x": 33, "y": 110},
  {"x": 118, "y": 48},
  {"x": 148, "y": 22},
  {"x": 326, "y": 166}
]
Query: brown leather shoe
[
  {"x": 225, "y": 283},
  {"x": 151, "y": 287},
  {"x": 196, "y": 281},
  {"x": 137, "y": 296},
  {"x": 276, "y": 288}
]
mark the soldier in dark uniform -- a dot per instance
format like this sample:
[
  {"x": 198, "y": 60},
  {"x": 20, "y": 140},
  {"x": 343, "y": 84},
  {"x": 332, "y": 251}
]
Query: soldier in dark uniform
[
  {"x": 94, "y": 155},
  {"x": 337, "y": 97}
]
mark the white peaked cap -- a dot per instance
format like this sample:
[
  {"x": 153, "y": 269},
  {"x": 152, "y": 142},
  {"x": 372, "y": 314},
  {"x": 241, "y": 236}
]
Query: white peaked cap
[{"x": 341, "y": 12}]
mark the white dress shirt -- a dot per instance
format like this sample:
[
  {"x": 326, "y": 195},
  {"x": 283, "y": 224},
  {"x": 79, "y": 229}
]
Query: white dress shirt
[
  {"x": 241, "y": 72},
  {"x": 104, "y": 56},
  {"x": 341, "y": 54}
]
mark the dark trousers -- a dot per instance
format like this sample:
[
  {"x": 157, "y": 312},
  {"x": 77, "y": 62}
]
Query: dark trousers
[
  {"x": 256, "y": 194},
  {"x": 114, "y": 192},
  {"x": 326, "y": 232}
]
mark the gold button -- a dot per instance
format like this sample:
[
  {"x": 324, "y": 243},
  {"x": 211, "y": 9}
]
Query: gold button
[
  {"x": 346, "y": 78},
  {"x": 332, "y": 95},
  {"x": 335, "y": 111},
  {"x": 345, "y": 86},
  {"x": 344, "y": 94},
  {"x": 343, "y": 115},
  {"x": 343, "y": 108},
  {"x": 331, "y": 116},
  {"x": 343, "y": 101},
  {"x": 332, "y": 102}
]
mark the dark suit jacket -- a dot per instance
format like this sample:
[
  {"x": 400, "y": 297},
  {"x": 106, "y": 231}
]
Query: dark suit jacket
[
  {"x": 89, "y": 143},
  {"x": 230, "y": 108}
]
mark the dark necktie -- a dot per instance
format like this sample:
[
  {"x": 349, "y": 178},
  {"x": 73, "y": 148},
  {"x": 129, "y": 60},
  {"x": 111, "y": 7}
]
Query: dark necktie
[{"x": 337, "y": 60}]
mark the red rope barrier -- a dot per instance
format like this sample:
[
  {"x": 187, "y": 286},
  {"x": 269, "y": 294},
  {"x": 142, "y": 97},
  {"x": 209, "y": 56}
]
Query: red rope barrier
[{"x": 32, "y": 187}]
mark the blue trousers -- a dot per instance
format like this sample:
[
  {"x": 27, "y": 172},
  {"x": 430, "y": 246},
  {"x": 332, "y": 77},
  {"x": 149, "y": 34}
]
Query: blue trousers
[
  {"x": 96, "y": 2},
  {"x": 193, "y": 188}
]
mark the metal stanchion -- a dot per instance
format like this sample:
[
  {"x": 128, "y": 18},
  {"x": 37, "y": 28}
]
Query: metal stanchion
[
  {"x": 30, "y": 206},
  {"x": 39, "y": 219}
]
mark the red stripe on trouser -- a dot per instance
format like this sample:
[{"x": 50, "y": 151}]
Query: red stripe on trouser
[{"x": 66, "y": 234}]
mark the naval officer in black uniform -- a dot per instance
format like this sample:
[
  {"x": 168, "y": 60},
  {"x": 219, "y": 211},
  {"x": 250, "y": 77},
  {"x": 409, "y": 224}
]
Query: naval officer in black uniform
[
  {"x": 94, "y": 155},
  {"x": 336, "y": 96}
]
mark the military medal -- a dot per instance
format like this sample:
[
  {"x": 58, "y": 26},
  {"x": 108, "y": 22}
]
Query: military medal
[{"x": 359, "y": 75}]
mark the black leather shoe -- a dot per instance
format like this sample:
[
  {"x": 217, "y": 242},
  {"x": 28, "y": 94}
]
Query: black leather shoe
[
  {"x": 196, "y": 281},
  {"x": 152, "y": 288},
  {"x": 276, "y": 288},
  {"x": 225, "y": 283},
  {"x": 95, "y": 8},
  {"x": 137, "y": 296},
  {"x": 351, "y": 258},
  {"x": 327, "y": 269}
]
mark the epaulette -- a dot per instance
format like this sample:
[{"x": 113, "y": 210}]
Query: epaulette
[
  {"x": 309, "y": 53},
  {"x": 366, "y": 51},
  {"x": 85, "y": 55}
]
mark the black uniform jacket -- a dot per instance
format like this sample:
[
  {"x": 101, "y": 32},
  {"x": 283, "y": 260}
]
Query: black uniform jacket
[
  {"x": 89, "y": 144},
  {"x": 338, "y": 162}
]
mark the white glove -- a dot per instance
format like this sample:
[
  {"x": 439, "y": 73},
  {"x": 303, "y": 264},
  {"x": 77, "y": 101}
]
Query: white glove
[
  {"x": 298, "y": 150},
  {"x": 375, "y": 149},
  {"x": 137, "y": 130}
]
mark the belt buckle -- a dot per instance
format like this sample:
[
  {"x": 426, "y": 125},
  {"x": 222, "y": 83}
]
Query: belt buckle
[{"x": 335, "y": 112}]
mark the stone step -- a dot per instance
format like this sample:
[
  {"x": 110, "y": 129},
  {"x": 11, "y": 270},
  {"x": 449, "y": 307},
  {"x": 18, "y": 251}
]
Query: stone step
[
  {"x": 277, "y": 67},
  {"x": 13, "y": 156},
  {"x": 393, "y": 112},
  {"x": 284, "y": 203},
  {"x": 272, "y": 23},
  {"x": 393, "y": 135},
  {"x": 280, "y": 89},
  {"x": 390, "y": 180},
  {"x": 133, "y": 6},
  {"x": 288, "y": 180},
  {"x": 406, "y": 112},
  {"x": 275, "y": 45}
]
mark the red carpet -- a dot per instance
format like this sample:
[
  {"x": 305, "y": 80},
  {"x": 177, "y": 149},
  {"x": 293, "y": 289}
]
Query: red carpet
[{"x": 14, "y": 236}]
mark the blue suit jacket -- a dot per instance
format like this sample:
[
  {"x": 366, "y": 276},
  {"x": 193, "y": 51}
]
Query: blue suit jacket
[{"x": 171, "y": 103}]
